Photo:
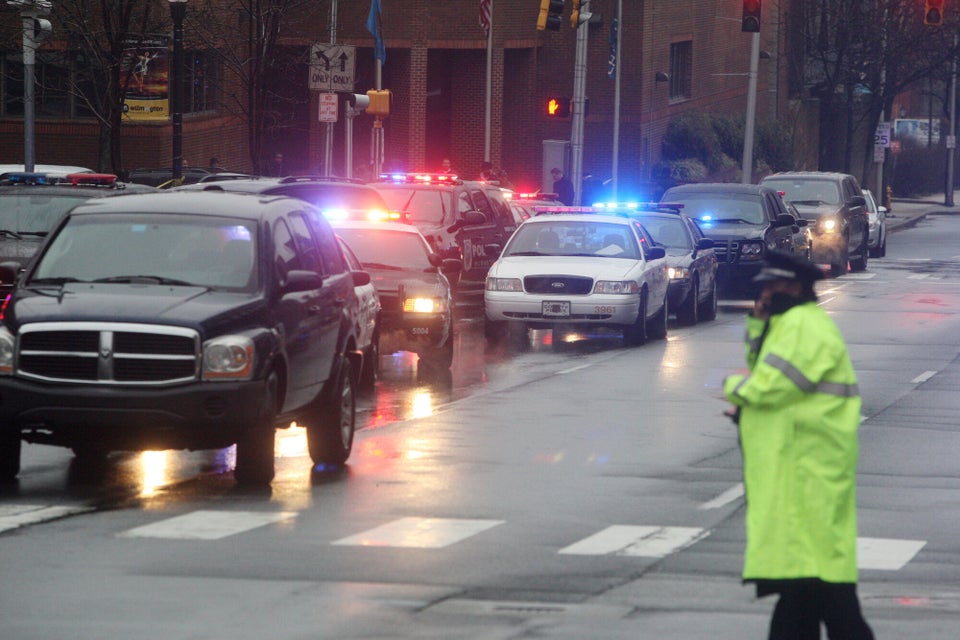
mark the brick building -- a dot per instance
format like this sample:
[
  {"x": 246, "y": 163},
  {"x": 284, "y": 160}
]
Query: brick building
[{"x": 436, "y": 69}]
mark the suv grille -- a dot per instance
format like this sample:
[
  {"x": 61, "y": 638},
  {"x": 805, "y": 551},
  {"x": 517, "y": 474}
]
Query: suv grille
[
  {"x": 558, "y": 285},
  {"x": 108, "y": 353},
  {"x": 726, "y": 251}
]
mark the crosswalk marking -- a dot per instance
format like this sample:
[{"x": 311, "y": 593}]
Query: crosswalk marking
[
  {"x": 13, "y": 516},
  {"x": 422, "y": 533},
  {"x": 733, "y": 493},
  {"x": 208, "y": 525},
  {"x": 923, "y": 377},
  {"x": 886, "y": 554},
  {"x": 630, "y": 540}
]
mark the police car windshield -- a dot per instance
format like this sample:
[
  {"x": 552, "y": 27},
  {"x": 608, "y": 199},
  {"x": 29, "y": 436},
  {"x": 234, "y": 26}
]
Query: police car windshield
[
  {"x": 422, "y": 205},
  {"x": 386, "y": 249},
  {"x": 34, "y": 214},
  {"x": 718, "y": 207},
  {"x": 166, "y": 248},
  {"x": 573, "y": 238}
]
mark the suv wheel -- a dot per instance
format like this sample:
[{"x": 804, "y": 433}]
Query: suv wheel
[
  {"x": 636, "y": 334},
  {"x": 689, "y": 311},
  {"x": 255, "y": 447},
  {"x": 331, "y": 422},
  {"x": 9, "y": 455},
  {"x": 860, "y": 263}
]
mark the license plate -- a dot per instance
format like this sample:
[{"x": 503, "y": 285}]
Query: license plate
[{"x": 556, "y": 309}]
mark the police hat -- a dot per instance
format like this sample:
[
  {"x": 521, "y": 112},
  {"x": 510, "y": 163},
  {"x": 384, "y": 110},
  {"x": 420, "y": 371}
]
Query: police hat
[{"x": 785, "y": 266}]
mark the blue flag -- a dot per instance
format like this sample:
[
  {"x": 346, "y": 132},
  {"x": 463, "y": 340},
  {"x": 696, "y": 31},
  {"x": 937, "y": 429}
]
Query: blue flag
[{"x": 374, "y": 27}]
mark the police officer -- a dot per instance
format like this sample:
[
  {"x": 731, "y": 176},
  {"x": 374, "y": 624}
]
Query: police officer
[{"x": 798, "y": 410}]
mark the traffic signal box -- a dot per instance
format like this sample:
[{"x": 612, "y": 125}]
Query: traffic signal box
[
  {"x": 376, "y": 102},
  {"x": 551, "y": 15},
  {"x": 751, "y": 16},
  {"x": 575, "y": 15},
  {"x": 933, "y": 13}
]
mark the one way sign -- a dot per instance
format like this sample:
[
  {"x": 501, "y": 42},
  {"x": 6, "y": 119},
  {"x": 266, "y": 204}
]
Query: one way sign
[{"x": 332, "y": 67}]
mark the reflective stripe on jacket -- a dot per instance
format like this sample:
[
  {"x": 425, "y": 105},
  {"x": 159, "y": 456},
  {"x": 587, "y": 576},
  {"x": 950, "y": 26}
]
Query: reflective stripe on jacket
[{"x": 799, "y": 414}]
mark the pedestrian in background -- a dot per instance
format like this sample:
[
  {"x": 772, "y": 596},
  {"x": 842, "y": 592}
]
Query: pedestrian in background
[
  {"x": 562, "y": 186},
  {"x": 486, "y": 171},
  {"x": 798, "y": 411},
  {"x": 275, "y": 168},
  {"x": 214, "y": 166}
]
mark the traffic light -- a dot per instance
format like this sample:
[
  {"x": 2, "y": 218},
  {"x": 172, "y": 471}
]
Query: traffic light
[
  {"x": 558, "y": 107},
  {"x": 551, "y": 12},
  {"x": 41, "y": 29},
  {"x": 375, "y": 102},
  {"x": 575, "y": 15},
  {"x": 751, "y": 16},
  {"x": 933, "y": 13}
]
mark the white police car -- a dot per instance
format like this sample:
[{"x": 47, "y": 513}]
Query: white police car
[{"x": 572, "y": 267}]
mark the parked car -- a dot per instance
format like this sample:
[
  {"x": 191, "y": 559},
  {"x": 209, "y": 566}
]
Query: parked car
[
  {"x": 585, "y": 270},
  {"x": 524, "y": 204},
  {"x": 835, "y": 206},
  {"x": 368, "y": 319},
  {"x": 31, "y": 204},
  {"x": 181, "y": 321},
  {"x": 877, "y": 224},
  {"x": 461, "y": 219},
  {"x": 162, "y": 178},
  {"x": 745, "y": 221},
  {"x": 58, "y": 170},
  {"x": 415, "y": 295},
  {"x": 691, "y": 263}
]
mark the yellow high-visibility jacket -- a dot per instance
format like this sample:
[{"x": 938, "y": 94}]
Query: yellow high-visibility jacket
[{"x": 799, "y": 414}]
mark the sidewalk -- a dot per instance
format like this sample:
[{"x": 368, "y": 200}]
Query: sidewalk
[{"x": 906, "y": 212}]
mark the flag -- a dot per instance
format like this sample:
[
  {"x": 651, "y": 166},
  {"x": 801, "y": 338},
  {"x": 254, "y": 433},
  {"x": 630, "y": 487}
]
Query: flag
[
  {"x": 485, "y": 16},
  {"x": 374, "y": 26},
  {"x": 612, "y": 59}
]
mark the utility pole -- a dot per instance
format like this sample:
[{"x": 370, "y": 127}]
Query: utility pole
[
  {"x": 952, "y": 135},
  {"x": 34, "y": 28},
  {"x": 747, "y": 169},
  {"x": 579, "y": 101}
]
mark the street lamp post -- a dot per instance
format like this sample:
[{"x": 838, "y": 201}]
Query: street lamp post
[{"x": 178, "y": 9}]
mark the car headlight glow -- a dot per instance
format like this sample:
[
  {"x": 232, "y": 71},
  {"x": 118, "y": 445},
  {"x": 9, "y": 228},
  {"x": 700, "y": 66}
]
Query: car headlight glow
[
  {"x": 828, "y": 225},
  {"x": 678, "y": 273},
  {"x": 424, "y": 305},
  {"x": 7, "y": 343},
  {"x": 616, "y": 287},
  {"x": 228, "y": 358},
  {"x": 504, "y": 284}
]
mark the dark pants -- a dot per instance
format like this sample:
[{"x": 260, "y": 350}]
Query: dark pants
[{"x": 805, "y": 603}]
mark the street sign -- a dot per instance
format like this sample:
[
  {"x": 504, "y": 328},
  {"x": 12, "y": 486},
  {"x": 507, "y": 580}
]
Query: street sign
[
  {"x": 328, "y": 107},
  {"x": 332, "y": 67},
  {"x": 882, "y": 136},
  {"x": 951, "y": 142}
]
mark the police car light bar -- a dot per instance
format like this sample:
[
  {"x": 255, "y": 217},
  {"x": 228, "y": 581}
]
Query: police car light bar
[
  {"x": 544, "y": 210},
  {"x": 420, "y": 178},
  {"x": 537, "y": 196},
  {"x": 30, "y": 177},
  {"x": 92, "y": 179}
]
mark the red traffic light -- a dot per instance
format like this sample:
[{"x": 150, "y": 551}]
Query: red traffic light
[
  {"x": 933, "y": 13},
  {"x": 751, "y": 16}
]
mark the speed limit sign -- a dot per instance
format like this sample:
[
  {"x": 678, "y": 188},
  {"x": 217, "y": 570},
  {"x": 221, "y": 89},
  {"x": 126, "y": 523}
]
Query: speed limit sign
[{"x": 882, "y": 136}]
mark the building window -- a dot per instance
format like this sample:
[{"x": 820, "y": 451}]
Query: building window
[
  {"x": 681, "y": 68},
  {"x": 201, "y": 82}
]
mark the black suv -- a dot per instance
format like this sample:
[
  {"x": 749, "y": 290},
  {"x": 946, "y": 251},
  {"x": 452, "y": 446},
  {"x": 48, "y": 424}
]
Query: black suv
[
  {"x": 837, "y": 210},
  {"x": 205, "y": 320},
  {"x": 31, "y": 204},
  {"x": 745, "y": 221},
  {"x": 462, "y": 219}
]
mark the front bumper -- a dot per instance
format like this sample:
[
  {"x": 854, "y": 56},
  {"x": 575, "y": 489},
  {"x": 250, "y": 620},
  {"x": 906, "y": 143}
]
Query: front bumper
[
  {"x": 200, "y": 415},
  {"x": 600, "y": 310},
  {"x": 413, "y": 332}
]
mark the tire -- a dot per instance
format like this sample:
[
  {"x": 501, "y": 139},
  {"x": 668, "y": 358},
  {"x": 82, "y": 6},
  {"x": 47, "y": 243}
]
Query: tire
[
  {"x": 883, "y": 246},
  {"x": 10, "y": 445},
  {"x": 689, "y": 311},
  {"x": 839, "y": 267},
  {"x": 708, "y": 309},
  {"x": 635, "y": 334},
  {"x": 255, "y": 464},
  {"x": 331, "y": 423},
  {"x": 370, "y": 370},
  {"x": 658, "y": 328},
  {"x": 860, "y": 263}
]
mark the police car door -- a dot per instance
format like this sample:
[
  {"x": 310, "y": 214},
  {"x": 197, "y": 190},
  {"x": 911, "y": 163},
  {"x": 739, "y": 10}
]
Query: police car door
[{"x": 475, "y": 238}]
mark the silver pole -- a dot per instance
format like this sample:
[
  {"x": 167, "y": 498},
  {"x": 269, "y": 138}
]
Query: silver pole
[
  {"x": 488, "y": 106},
  {"x": 579, "y": 89},
  {"x": 29, "y": 93},
  {"x": 751, "y": 111},
  {"x": 328, "y": 143},
  {"x": 615, "y": 168},
  {"x": 952, "y": 151}
]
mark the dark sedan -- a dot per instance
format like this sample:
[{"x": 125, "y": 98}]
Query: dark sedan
[
  {"x": 692, "y": 264},
  {"x": 745, "y": 221}
]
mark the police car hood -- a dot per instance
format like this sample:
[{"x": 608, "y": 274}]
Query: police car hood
[
  {"x": 588, "y": 266},
  {"x": 724, "y": 231},
  {"x": 427, "y": 283},
  {"x": 188, "y": 306}
]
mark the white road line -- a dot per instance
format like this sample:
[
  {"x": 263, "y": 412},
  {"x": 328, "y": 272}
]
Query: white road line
[
  {"x": 886, "y": 554},
  {"x": 923, "y": 377},
  {"x": 643, "y": 541},
  {"x": 13, "y": 516},
  {"x": 421, "y": 533},
  {"x": 863, "y": 275},
  {"x": 733, "y": 493},
  {"x": 918, "y": 276},
  {"x": 208, "y": 525},
  {"x": 572, "y": 369}
]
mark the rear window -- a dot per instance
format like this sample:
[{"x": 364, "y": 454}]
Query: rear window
[
  {"x": 422, "y": 205},
  {"x": 806, "y": 192}
]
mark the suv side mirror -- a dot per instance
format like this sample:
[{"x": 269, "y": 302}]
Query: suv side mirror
[
  {"x": 858, "y": 201},
  {"x": 705, "y": 243},
  {"x": 10, "y": 271},
  {"x": 301, "y": 280},
  {"x": 360, "y": 278},
  {"x": 468, "y": 219},
  {"x": 785, "y": 220}
]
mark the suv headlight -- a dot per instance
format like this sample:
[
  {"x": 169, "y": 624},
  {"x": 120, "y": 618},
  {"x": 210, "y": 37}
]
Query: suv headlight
[
  {"x": 424, "y": 305},
  {"x": 828, "y": 225},
  {"x": 7, "y": 343},
  {"x": 228, "y": 358},
  {"x": 616, "y": 287},
  {"x": 751, "y": 250},
  {"x": 504, "y": 284}
]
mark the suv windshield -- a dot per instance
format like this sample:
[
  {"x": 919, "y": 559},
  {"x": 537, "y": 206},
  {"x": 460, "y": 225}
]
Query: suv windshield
[
  {"x": 160, "y": 248},
  {"x": 717, "y": 207},
  {"x": 806, "y": 192},
  {"x": 573, "y": 238}
]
